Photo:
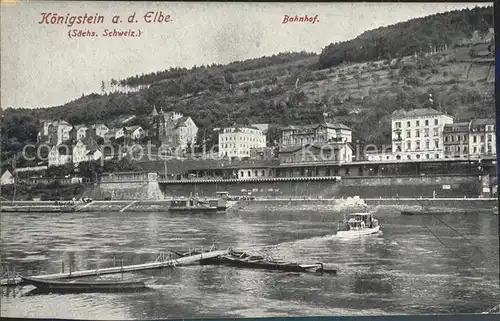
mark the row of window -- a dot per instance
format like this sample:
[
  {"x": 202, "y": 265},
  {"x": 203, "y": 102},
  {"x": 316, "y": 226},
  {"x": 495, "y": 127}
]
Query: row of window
[
  {"x": 475, "y": 149},
  {"x": 417, "y": 145},
  {"x": 427, "y": 156},
  {"x": 245, "y": 138},
  {"x": 417, "y": 123},
  {"x": 256, "y": 173},
  {"x": 464, "y": 138},
  {"x": 417, "y": 133},
  {"x": 239, "y": 146}
]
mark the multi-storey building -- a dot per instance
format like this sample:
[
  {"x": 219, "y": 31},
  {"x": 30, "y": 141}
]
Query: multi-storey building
[
  {"x": 101, "y": 129},
  {"x": 60, "y": 155},
  {"x": 173, "y": 129},
  {"x": 54, "y": 132},
  {"x": 80, "y": 132},
  {"x": 324, "y": 132},
  {"x": 418, "y": 134},
  {"x": 456, "y": 140},
  {"x": 482, "y": 138},
  {"x": 86, "y": 150},
  {"x": 237, "y": 141}
]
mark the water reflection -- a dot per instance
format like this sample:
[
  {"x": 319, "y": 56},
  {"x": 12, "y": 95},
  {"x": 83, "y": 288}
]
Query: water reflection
[{"x": 405, "y": 269}]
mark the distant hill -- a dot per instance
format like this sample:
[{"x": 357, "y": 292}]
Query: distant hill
[
  {"x": 406, "y": 38},
  {"x": 292, "y": 88}
]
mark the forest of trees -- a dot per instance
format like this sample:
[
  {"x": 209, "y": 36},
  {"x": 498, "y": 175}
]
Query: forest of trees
[
  {"x": 263, "y": 90},
  {"x": 406, "y": 38}
]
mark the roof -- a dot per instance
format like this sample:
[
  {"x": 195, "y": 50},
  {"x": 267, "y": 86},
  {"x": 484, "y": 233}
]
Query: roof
[
  {"x": 154, "y": 112},
  {"x": 181, "y": 121},
  {"x": 359, "y": 214},
  {"x": 77, "y": 127},
  {"x": 401, "y": 113},
  {"x": 132, "y": 128},
  {"x": 90, "y": 144},
  {"x": 482, "y": 122},
  {"x": 294, "y": 148},
  {"x": 313, "y": 126}
]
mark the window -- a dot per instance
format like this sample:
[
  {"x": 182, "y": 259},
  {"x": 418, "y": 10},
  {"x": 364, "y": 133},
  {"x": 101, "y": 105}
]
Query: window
[
  {"x": 409, "y": 157},
  {"x": 263, "y": 173},
  {"x": 417, "y": 143},
  {"x": 475, "y": 149},
  {"x": 417, "y": 123},
  {"x": 417, "y": 133},
  {"x": 436, "y": 122},
  {"x": 408, "y": 145},
  {"x": 427, "y": 156},
  {"x": 436, "y": 132},
  {"x": 474, "y": 139},
  {"x": 427, "y": 145},
  {"x": 489, "y": 149},
  {"x": 408, "y": 134},
  {"x": 249, "y": 174},
  {"x": 482, "y": 149},
  {"x": 482, "y": 139},
  {"x": 418, "y": 156},
  {"x": 437, "y": 155},
  {"x": 408, "y": 124},
  {"x": 465, "y": 138},
  {"x": 242, "y": 174},
  {"x": 426, "y": 132},
  {"x": 446, "y": 149},
  {"x": 427, "y": 124},
  {"x": 446, "y": 138},
  {"x": 398, "y": 124}
]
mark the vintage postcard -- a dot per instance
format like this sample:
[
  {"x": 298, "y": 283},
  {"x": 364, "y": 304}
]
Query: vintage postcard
[{"x": 175, "y": 160}]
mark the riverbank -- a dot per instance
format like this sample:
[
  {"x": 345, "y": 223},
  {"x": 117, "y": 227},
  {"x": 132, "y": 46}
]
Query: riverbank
[{"x": 291, "y": 204}]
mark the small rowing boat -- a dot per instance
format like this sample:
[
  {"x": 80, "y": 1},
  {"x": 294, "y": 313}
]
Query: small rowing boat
[{"x": 79, "y": 286}]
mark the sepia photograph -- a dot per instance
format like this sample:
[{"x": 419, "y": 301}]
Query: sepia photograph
[{"x": 227, "y": 160}]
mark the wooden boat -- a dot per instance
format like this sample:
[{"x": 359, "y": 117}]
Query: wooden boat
[
  {"x": 78, "y": 286},
  {"x": 267, "y": 264},
  {"x": 425, "y": 212},
  {"x": 358, "y": 224},
  {"x": 37, "y": 209}
]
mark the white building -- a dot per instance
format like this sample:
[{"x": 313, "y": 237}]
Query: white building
[
  {"x": 7, "y": 178},
  {"x": 134, "y": 132},
  {"x": 237, "y": 141},
  {"x": 63, "y": 131},
  {"x": 482, "y": 138},
  {"x": 418, "y": 134},
  {"x": 80, "y": 132},
  {"x": 54, "y": 132},
  {"x": 173, "y": 129},
  {"x": 322, "y": 133},
  {"x": 60, "y": 155},
  {"x": 86, "y": 150},
  {"x": 101, "y": 129}
]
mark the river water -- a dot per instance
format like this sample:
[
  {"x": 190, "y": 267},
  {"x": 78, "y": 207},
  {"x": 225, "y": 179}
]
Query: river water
[{"x": 403, "y": 270}]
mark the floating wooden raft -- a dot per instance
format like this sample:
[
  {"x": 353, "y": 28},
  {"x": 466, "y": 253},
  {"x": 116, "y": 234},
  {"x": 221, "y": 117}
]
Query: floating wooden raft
[{"x": 187, "y": 260}]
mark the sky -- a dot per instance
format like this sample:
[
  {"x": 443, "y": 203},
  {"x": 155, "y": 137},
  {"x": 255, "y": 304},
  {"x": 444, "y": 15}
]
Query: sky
[{"x": 41, "y": 66}]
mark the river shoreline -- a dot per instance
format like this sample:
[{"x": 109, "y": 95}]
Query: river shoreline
[{"x": 293, "y": 204}]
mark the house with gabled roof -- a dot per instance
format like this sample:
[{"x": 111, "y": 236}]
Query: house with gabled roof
[
  {"x": 173, "y": 128},
  {"x": 60, "y": 155},
  {"x": 86, "y": 150}
]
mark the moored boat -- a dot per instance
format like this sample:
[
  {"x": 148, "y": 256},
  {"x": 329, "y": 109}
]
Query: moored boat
[
  {"x": 358, "y": 224},
  {"x": 268, "y": 265},
  {"x": 78, "y": 286},
  {"x": 197, "y": 205}
]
